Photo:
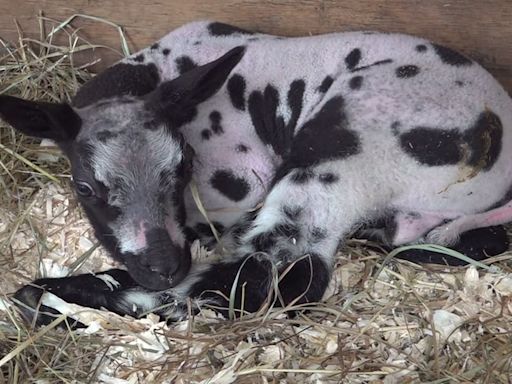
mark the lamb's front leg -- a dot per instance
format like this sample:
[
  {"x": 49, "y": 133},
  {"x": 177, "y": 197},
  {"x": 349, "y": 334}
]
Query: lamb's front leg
[
  {"x": 101, "y": 290},
  {"x": 299, "y": 229}
]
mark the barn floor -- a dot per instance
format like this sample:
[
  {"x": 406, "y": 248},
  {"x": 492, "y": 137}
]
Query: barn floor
[{"x": 380, "y": 321}]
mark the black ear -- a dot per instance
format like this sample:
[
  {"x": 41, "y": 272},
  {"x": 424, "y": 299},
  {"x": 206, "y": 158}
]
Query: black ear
[
  {"x": 39, "y": 119},
  {"x": 196, "y": 85}
]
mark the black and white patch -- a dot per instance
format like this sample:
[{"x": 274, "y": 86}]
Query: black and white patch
[
  {"x": 269, "y": 125},
  {"x": 324, "y": 137},
  {"x": 479, "y": 146},
  {"x": 231, "y": 186}
]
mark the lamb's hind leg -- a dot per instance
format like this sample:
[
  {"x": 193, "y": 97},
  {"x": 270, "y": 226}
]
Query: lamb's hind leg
[
  {"x": 449, "y": 234},
  {"x": 411, "y": 227}
]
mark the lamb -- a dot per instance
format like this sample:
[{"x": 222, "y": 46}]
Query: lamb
[{"x": 326, "y": 132}]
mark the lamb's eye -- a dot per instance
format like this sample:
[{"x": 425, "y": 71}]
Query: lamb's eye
[{"x": 84, "y": 189}]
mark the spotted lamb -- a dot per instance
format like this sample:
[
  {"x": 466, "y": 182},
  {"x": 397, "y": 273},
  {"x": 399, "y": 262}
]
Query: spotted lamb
[{"x": 291, "y": 143}]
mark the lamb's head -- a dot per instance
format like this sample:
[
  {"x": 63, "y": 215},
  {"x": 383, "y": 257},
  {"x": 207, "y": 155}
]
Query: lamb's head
[{"x": 130, "y": 166}]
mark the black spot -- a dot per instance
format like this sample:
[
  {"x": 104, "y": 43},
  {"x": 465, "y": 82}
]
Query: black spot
[
  {"x": 198, "y": 42},
  {"x": 221, "y": 29},
  {"x": 484, "y": 140},
  {"x": 421, "y": 48},
  {"x": 380, "y": 62},
  {"x": 103, "y": 136},
  {"x": 215, "y": 118},
  {"x": 206, "y": 134},
  {"x": 139, "y": 58},
  {"x": 451, "y": 57},
  {"x": 326, "y": 84},
  {"x": 406, "y": 71},
  {"x": 155, "y": 46},
  {"x": 292, "y": 212},
  {"x": 236, "y": 90},
  {"x": 231, "y": 186},
  {"x": 185, "y": 64},
  {"x": 318, "y": 234},
  {"x": 120, "y": 79},
  {"x": 479, "y": 146},
  {"x": 269, "y": 126},
  {"x": 459, "y": 83},
  {"x": 433, "y": 146},
  {"x": 324, "y": 137},
  {"x": 166, "y": 51},
  {"x": 263, "y": 112},
  {"x": 328, "y": 178},
  {"x": 302, "y": 176},
  {"x": 353, "y": 58},
  {"x": 242, "y": 148},
  {"x": 355, "y": 82}
]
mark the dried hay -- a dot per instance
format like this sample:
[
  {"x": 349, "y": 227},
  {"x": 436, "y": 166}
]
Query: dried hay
[{"x": 382, "y": 321}]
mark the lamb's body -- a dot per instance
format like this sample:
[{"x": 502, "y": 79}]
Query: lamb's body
[
  {"x": 389, "y": 84},
  {"x": 329, "y": 132}
]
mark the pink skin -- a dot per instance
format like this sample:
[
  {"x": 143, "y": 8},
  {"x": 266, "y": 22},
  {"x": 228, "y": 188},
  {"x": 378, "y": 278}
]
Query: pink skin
[
  {"x": 140, "y": 235},
  {"x": 497, "y": 216},
  {"x": 411, "y": 227}
]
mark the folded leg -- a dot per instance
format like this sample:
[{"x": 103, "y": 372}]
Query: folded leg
[
  {"x": 448, "y": 234},
  {"x": 412, "y": 228}
]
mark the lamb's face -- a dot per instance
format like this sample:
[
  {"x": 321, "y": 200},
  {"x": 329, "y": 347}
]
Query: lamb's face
[
  {"x": 130, "y": 165},
  {"x": 129, "y": 171}
]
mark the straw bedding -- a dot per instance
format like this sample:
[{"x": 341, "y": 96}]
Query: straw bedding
[{"x": 381, "y": 321}]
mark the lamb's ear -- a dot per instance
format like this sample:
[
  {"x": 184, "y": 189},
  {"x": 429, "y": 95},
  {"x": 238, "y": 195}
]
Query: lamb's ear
[
  {"x": 196, "y": 85},
  {"x": 58, "y": 122}
]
